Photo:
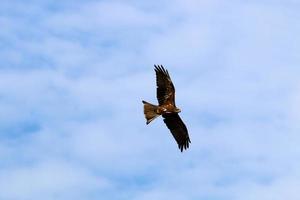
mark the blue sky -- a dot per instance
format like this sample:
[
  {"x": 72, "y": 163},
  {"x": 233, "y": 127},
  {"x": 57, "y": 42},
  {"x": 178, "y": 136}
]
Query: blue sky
[{"x": 73, "y": 74}]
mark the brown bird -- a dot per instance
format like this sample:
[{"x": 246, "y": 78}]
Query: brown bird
[{"x": 165, "y": 93}]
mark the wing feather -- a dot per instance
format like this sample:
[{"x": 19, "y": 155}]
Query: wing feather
[
  {"x": 178, "y": 130},
  {"x": 165, "y": 91}
]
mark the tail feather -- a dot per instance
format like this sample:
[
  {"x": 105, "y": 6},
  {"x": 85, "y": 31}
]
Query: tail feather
[{"x": 150, "y": 111}]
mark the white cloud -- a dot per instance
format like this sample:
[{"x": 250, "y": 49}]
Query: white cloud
[{"x": 54, "y": 179}]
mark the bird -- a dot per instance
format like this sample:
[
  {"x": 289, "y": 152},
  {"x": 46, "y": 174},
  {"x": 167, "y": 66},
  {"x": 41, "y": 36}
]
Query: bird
[{"x": 165, "y": 93}]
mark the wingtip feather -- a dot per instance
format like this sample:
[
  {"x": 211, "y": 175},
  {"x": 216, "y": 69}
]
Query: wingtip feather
[{"x": 161, "y": 69}]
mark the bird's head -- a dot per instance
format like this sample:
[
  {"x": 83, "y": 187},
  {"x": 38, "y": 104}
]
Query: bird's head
[{"x": 177, "y": 110}]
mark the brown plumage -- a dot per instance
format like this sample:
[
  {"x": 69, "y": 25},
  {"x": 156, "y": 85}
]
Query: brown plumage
[{"x": 165, "y": 93}]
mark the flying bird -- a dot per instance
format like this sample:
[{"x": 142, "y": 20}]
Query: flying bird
[{"x": 165, "y": 93}]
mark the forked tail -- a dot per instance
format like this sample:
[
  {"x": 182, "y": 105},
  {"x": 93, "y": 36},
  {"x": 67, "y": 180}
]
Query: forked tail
[{"x": 150, "y": 111}]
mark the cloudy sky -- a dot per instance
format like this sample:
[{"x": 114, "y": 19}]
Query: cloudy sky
[{"x": 73, "y": 75}]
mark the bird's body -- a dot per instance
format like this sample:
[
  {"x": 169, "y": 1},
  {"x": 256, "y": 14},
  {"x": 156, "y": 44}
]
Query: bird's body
[{"x": 167, "y": 108}]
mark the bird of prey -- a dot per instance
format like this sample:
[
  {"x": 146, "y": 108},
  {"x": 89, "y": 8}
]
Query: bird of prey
[{"x": 166, "y": 107}]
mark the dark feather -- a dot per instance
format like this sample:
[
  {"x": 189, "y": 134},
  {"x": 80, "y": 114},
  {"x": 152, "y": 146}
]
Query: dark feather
[
  {"x": 165, "y": 91},
  {"x": 178, "y": 130}
]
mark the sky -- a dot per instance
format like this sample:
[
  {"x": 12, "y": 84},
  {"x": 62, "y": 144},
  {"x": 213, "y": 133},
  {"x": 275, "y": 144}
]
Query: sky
[{"x": 73, "y": 75}]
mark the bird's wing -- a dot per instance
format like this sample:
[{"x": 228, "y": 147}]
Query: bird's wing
[
  {"x": 178, "y": 130},
  {"x": 165, "y": 91}
]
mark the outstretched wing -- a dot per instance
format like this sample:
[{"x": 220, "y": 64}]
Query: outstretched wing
[
  {"x": 165, "y": 91},
  {"x": 178, "y": 130}
]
